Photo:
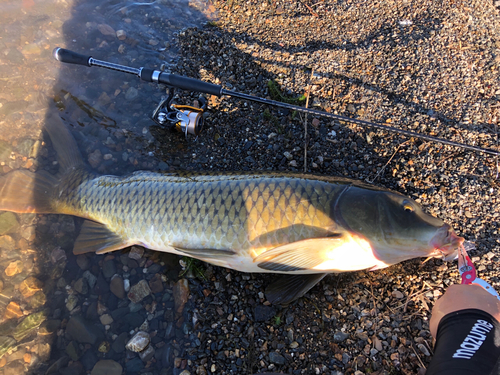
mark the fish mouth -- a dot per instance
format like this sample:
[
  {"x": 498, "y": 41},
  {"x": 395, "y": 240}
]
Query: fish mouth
[{"x": 446, "y": 242}]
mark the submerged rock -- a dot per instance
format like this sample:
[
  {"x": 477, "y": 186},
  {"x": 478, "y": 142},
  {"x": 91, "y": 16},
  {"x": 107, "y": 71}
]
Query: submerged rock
[
  {"x": 181, "y": 294},
  {"x": 139, "y": 291},
  {"x": 82, "y": 330},
  {"x": 139, "y": 342},
  {"x": 8, "y": 223},
  {"x": 6, "y": 343},
  {"x": 29, "y": 324}
]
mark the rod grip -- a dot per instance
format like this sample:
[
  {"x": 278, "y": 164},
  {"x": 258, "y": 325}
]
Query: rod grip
[
  {"x": 70, "y": 57},
  {"x": 189, "y": 84}
]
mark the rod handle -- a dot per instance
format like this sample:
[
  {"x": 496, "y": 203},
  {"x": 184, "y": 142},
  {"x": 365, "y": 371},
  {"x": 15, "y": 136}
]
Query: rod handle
[
  {"x": 70, "y": 57},
  {"x": 189, "y": 84}
]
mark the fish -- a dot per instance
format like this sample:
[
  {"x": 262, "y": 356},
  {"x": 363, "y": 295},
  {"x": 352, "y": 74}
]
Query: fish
[{"x": 299, "y": 225}]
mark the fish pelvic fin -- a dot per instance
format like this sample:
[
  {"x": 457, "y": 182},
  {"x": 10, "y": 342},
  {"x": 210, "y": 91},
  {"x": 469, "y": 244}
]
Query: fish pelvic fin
[
  {"x": 287, "y": 288},
  {"x": 68, "y": 155},
  {"x": 329, "y": 254},
  {"x": 97, "y": 238},
  {"x": 27, "y": 192}
]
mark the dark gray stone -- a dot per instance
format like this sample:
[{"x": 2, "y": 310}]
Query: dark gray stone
[
  {"x": 276, "y": 358},
  {"x": 83, "y": 331},
  {"x": 263, "y": 313}
]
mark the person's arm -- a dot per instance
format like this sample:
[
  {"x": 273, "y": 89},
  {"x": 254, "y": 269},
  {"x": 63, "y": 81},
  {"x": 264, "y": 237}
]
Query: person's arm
[{"x": 465, "y": 323}]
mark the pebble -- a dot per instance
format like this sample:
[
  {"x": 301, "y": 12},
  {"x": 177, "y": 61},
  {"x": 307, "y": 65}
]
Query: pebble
[
  {"x": 181, "y": 294},
  {"x": 116, "y": 286},
  {"x": 136, "y": 252},
  {"x": 107, "y": 367},
  {"x": 82, "y": 330},
  {"x": 30, "y": 286},
  {"x": 138, "y": 342},
  {"x": 106, "y": 319},
  {"x": 14, "y": 268},
  {"x": 139, "y": 291}
]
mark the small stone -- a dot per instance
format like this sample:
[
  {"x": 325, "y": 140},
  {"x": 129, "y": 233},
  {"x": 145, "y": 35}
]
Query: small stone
[
  {"x": 340, "y": 336},
  {"x": 71, "y": 302},
  {"x": 288, "y": 155},
  {"x": 106, "y": 319},
  {"x": 120, "y": 34},
  {"x": 73, "y": 350},
  {"x": 104, "y": 347},
  {"x": 136, "y": 253},
  {"x": 107, "y": 367},
  {"x": 108, "y": 268},
  {"x": 27, "y": 358},
  {"x": 139, "y": 291},
  {"x": 107, "y": 156},
  {"x": 91, "y": 279},
  {"x": 315, "y": 122},
  {"x": 156, "y": 284},
  {"x": 95, "y": 158},
  {"x": 276, "y": 358},
  {"x": 181, "y": 294},
  {"x": 82, "y": 331},
  {"x": 83, "y": 262},
  {"x": 138, "y": 342},
  {"x": 28, "y": 325},
  {"x": 30, "y": 286},
  {"x": 263, "y": 313},
  {"x": 294, "y": 345},
  {"x": 116, "y": 286},
  {"x": 81, "y": 286},
  {"x": 118, "y": 345},
  {"x": 147, "y": 354},
  {"x": 106, "y": 29},
  {"x": 8, "y": 223},
  {"x": 397, "y": 294},
  {"x": 424, "y": 350},
  {"x": 57, "y": 255},
  {"x": 38, "y": 300},
  {"x": 13, "y": 310},
  {"x": 14, "y": 268},
  {"x": 131, "y": 93}
]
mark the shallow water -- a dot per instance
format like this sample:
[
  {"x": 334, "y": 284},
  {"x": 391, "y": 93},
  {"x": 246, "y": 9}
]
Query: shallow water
[{"x": 52, "y": 303}]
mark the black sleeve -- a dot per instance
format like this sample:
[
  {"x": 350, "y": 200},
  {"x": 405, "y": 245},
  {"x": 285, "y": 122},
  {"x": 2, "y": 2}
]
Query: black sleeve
[{"x": 468, "y": 343}]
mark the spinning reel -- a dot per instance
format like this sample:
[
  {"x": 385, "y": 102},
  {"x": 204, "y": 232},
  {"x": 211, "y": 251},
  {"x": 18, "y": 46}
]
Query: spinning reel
[{"x": 183, "y": 118}]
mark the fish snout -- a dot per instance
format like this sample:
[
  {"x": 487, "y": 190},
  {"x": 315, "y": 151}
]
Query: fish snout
[{"x": 446, "y": 240}]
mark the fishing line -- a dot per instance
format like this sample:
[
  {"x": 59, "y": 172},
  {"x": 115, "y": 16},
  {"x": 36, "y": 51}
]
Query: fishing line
[{"x": 185, "y": 121}]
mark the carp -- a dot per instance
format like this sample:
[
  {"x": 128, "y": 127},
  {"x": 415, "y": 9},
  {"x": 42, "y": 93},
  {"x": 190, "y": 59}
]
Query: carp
[{"x": 302, "y": 226}]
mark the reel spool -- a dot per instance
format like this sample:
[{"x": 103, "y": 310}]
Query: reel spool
[{"x": 183, "y": 118}]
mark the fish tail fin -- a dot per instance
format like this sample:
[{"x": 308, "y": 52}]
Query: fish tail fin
[
  {"x": 68, "y": 155},
  {"x": 24, "y": 191}
]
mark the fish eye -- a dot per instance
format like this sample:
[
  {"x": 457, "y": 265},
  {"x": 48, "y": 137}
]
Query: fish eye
[{"x": 408, "y": 207}]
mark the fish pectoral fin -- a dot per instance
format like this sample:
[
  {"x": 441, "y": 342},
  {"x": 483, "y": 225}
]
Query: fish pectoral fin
[
  {"x": 289, "y": 288},
  {"x": 97, "y": 238},
  {"x": 206, "y": 253},
  {"x": 298, "y": 256}
]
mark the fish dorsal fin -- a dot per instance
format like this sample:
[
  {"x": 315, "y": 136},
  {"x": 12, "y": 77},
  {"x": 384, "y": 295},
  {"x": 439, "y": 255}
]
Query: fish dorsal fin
[
  {"x": 97, "y": 238},
  {"x": 288, "y": 288},
  {"x": 206, "y": 253},
  {"x": 330, "y": 254},
  {"x": 68, "y": 155}
]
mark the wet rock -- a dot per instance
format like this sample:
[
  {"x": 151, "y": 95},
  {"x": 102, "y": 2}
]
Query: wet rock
[
  {"x": 397, "y": 294},
  {"x": 95, "y": 158},
  {"x": 28, "y": 325},
  {"x": 81, "y": 286},
  {"x": 71, "y": 302},
  {"x": 107, "y": 367},
  {"x": 138, "y": 342},
  {"x": 30, "y": 286},
  {"x": 38, "y": 300},
  {"x": 75, "y": 368},
  {"x": 82, "y": 331},
  {"x": 156, "y": 284},
  {"x": 91, "y": 279},
  {"x": 106, "y": 319},
  {"x": 83, "y": 262},
  {"x": 57, "y": 256},
  {"x": 13, "y": 310},
  {"x": 116, "y": 286},
  {"x": 181, "y": 294},
  {"x": 118, "y": 345},
  {"x": 134, "y": 365},
  {"x": 8, "y": 223},
  {"x": 263, "y": 313},
  {"x": 88, "y": 360},
  {"x": 14, "y": 368},
  {"x": 136, "y": 253},
  {"x": 7, "y": 243},
  {"x": 14, "y": 268},
  {"x": 104, "y": 347},
  {"x": 6, "y": 343},
  {"x": 139, "y": 291},
  {"x": 131, "y": 93},
  {"x": 108, "y": 268},
  {"x": 73, "y": 350},
  {"x": 147, "y": 354},
  {"x": 105, "y": 29},
  {"x": 276, "y": 358}
]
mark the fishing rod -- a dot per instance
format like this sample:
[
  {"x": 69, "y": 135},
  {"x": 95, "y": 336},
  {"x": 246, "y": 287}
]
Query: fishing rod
[{"x": 189, "y": 119}]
